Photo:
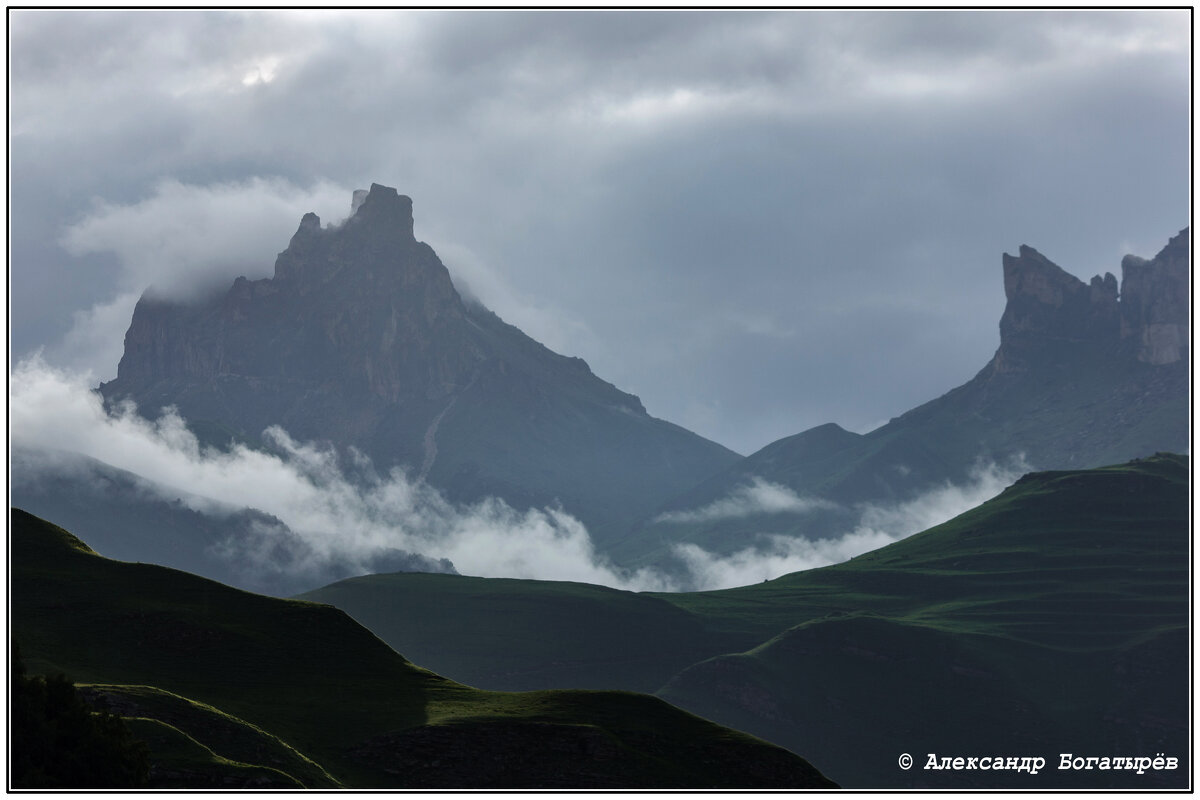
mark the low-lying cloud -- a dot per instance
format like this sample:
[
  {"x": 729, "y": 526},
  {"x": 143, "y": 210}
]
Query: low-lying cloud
[
  {"x": 184, "y": 239},
  {"x": 760, "y": 496},
  {"x": 341, "y": 508},
  {"x": 188, "y": 237},
  {"x": 337, "y": 508},
  {"x": 877, "y": 526}
]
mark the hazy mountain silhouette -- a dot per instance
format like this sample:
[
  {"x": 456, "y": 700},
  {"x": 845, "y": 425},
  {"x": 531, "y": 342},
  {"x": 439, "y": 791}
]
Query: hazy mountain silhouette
[
  {"x": 1085, "y": 375},
  {"x": 361, "y": 339}
]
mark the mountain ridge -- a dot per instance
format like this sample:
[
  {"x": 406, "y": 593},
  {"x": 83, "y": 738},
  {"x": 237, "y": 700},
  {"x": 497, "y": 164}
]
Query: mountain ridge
[
  {"x": 361, "y": 339},
  {"x": 1081, "y": 378}
]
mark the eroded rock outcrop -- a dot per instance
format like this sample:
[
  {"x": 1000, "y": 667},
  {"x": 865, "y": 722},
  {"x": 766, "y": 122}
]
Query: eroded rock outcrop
[
  {"x": 1154, "y": 302},
  {"x": 1053, "y": 316}
]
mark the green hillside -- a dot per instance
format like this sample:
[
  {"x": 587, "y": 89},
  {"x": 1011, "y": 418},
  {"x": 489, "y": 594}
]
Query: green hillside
[
  {"x": 1053, "y": 616},
  {"x": 860, "y": 690},
  {"x": 252, "y": 757},
  {"x": 1051, "y": 619},
  {"x": 1106, "y": 547},
  {"x": 315, "y": 698},
  {"x": 510, "y": 634}
]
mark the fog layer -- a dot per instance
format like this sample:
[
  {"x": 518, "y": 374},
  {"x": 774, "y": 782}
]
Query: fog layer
[{"x": 341, "y": 509}]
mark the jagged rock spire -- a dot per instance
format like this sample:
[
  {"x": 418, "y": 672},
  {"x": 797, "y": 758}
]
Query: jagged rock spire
[{"x": 1052, "y": 315}]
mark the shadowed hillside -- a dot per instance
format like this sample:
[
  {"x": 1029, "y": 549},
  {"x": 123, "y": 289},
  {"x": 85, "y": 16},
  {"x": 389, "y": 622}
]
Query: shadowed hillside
[
  {"x": 1051, "y": 618},
  {"x": 314, "y": 698}
]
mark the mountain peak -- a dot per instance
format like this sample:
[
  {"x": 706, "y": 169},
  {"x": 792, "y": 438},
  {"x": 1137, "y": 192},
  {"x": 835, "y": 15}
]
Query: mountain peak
[
  {"x": 384, "y": 206},
  {"x": 1032, "y": 274},
  {"x": 361, "y": 340},
  {"x": 379, "y": 230},
  {"x": 1154, "y": 302},
  {"x": 1049, "y": 309},
  {"x": 1052, "y": 315}
]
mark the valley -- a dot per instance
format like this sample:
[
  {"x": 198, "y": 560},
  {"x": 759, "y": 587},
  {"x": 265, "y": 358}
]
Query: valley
[{"x": 404, "y": 435}]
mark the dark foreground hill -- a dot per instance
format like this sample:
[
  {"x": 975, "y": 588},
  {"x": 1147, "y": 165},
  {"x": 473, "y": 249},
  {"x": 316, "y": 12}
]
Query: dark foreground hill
[
  {"x": 1085, "y": 375},
  {"x": 361, "y": 339},
  {"x": 236, "y": 689},
  {"x": 1053, "y": 619}
]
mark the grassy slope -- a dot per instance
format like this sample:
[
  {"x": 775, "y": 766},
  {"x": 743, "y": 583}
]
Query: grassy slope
[
  {"x": 1026, "y": 562},
  {"x": 1074, "y": 559},
  {"x": 523, "y": 634},
  {"x": 1051, "y": 619},
  {"x": 312, "y": 677},
  {"x": 1063, "y": 601},
  {"x": 181, "y": 762},
  {"x": 238, "y": 741}
]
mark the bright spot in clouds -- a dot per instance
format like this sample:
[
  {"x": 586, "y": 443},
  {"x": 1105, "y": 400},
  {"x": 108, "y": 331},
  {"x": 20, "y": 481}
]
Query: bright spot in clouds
[{"x": 263, "y": 71}]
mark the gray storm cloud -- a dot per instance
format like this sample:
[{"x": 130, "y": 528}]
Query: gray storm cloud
[
  {"x": 184, "y": 238},
  {"x": 335, "y": 509},
  {"x": 757, "y": 221}
]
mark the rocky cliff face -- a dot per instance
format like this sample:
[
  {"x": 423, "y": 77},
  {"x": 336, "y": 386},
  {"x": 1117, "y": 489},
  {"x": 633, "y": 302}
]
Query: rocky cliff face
[
  {"x": 1052, "y": 316},
  {"x": 1154, "y": 302},
  {"x": 360, "y": 339},
  {"x": 1087, "y": 374},
  {"x": 364, "y": 306}
]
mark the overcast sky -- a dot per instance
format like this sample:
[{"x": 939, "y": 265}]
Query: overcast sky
[{"x": 758, "y": 222}]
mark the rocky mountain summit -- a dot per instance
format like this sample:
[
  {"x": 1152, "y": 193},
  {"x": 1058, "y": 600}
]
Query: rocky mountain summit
[
  {"x": 1086, "y": 374},
  {"x": 362, "y": 313},
  {"x": 361, "y": 339},
  {"x": 1051, "y": 315}
]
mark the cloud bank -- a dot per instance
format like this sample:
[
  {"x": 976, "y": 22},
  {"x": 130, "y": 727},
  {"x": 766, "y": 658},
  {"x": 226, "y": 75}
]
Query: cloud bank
[
  {"x": 709, "y": 206},
  {"x": 186, "y": 237},
  {"x": 760, "y": 496},
  {"x": 182, "y": 239},
  {"x": 339, "y": 509},
  {"x": 877, "y": 527}
]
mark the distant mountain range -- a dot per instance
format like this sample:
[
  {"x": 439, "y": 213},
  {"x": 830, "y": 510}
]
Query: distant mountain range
[
  {"x": 361, "y": 340},
  {"x": 1052, "y": 618},
  {"x": 1084, "y": 376}
]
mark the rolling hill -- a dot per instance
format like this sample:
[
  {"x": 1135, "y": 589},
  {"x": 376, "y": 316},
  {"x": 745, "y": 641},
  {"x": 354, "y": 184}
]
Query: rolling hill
[
  {"x": 1053, "y": 618},
  {"x": 229, "y": 686}
]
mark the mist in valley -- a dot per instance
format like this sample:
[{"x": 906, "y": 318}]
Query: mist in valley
[{"x": 326, "y": 508}]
